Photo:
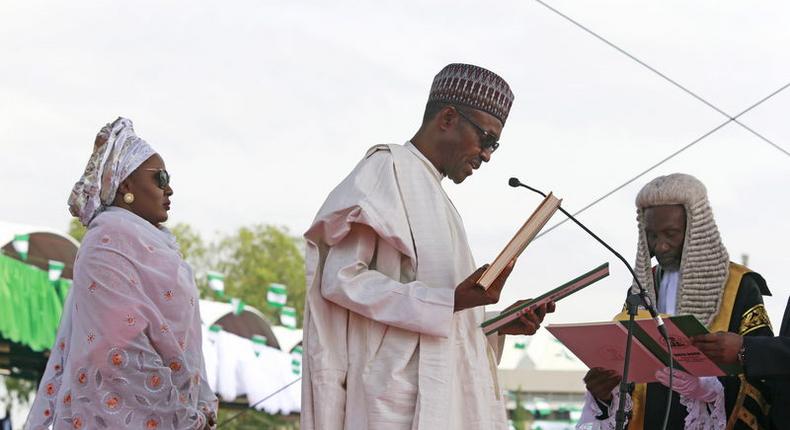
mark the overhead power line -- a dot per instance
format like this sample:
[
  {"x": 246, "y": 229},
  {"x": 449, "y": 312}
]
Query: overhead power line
[
  {"x": 664, "y": 160},
  {"x": 662, "y": 75}
]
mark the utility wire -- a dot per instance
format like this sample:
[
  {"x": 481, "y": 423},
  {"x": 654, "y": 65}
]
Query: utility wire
[
  {"x": 665, "y": 159},
  {"x": 258, "y": 402},
  {"x": 665, "y": 77}
]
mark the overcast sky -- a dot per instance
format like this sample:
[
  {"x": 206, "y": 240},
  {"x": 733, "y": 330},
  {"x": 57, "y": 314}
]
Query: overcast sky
[{"x": 260, "y": 108}]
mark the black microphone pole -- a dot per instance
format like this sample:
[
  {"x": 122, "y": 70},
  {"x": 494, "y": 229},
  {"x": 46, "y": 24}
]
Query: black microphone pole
[{"x": 632, "y": 304}]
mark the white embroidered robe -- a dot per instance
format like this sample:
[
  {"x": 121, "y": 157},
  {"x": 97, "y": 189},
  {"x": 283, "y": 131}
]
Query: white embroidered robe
[{"x": 383, "y": 347}]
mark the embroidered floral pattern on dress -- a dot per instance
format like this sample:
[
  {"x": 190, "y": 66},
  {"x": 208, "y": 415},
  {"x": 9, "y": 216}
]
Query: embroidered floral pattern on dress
[
  {"x": 112, "y": 403},
  {"x": 153, "y": 382},
  {"x": 51, "y": 388},
  {"x": 151, "y": 422},
  {"x": 82, "y": 376},
  {"x": 175, "y": 365},
  {"x": 48, "y": 414},
  {"x": 118, "y": 358},
  {"x": 77, "y": 422},
  {"x": 58, "y": 367},
  {"x": 107, "y": 369}
]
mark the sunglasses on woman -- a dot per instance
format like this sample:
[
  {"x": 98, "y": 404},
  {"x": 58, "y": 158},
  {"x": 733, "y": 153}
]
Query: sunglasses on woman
[{"x": 162, "y": 177}]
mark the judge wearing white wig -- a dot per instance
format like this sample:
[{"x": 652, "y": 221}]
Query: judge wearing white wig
[
  {"x": 128, "y": 350},
  {"x": 694, "y": 276}
]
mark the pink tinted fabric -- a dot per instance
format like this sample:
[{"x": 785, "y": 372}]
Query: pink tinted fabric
[{"x": 128, "y": 350}]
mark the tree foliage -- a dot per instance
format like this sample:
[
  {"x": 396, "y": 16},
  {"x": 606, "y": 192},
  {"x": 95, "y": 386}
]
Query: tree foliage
[
  {"x": 76, "y": 229},
  {"x": 250, "y": 258},
  {"x": 257, "y": 256}
]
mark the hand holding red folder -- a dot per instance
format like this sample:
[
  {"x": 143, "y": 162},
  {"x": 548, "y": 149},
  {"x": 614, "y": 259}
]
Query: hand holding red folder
[{"x": 600, "y": 382}]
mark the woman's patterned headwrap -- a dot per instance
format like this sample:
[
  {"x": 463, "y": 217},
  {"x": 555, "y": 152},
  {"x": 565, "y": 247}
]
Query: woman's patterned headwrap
[
  {"x": 704, "y": 265},
  {"x": 117, "y": 152}
]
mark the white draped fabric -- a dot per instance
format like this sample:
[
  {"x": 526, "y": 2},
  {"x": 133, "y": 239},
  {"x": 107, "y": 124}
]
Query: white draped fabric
[
  {"x": 235, "y": 367},
  {"x": 128, "y": 350},
  {"x": 383, "y": 348}
]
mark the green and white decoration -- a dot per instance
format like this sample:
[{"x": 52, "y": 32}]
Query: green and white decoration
[
  {"x": 55, "y": 270},
  {"x": 216, "y": 281},
  {"x": 238, "y": 305},
  {"x": 520, "y": 345},
  {"x": 22, "y": 245},
  {"x": 258, "y": 343},
  {"x": 296, "y": 360},
  {"x": 288, "y": 317},
  {"x": 277, "y": 295}
]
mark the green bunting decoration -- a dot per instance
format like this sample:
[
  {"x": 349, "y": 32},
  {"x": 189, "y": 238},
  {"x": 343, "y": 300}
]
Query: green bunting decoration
[
  {"x": 296, "y": 360},
  {"x": 288, "y": 317},
  {"x": 238, "y": 305},
  {"x": 277, "y": 295},
  {"x": 258, "y": 343},
  {"x": 55, "y": 270},
  {"x": 216, "y": 281},
  {"x": 22, "y": 245}
]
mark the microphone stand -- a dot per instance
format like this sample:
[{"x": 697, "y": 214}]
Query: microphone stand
[{"x": 632, "y": 305}]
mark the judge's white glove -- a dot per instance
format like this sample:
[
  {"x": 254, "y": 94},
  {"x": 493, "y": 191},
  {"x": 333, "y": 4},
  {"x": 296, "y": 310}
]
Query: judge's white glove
[{"x": 705, "y": 389}]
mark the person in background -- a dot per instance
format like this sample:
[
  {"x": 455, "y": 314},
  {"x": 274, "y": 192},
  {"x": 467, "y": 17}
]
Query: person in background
[{"x": 761, "y": 357}]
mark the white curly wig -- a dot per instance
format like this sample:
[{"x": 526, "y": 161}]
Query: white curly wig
[{"x": 704, "y": 265}]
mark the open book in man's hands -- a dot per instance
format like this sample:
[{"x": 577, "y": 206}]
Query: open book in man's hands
[{"x": 564, "y": 290}]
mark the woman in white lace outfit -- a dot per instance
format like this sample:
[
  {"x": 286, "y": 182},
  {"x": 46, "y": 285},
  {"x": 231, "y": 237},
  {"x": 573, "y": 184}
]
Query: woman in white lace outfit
[{"x": 128, "y": 351}]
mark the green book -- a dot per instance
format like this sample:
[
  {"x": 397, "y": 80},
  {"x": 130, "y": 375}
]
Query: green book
[{"x": 564, "y": 290}]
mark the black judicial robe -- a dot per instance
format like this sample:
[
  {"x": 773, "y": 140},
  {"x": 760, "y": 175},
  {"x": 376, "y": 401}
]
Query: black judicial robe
[
  {"x": 746, "y": 397},
  {"x": 769, "y": 358}
]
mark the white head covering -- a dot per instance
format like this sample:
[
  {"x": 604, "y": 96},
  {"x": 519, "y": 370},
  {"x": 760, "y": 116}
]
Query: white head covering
[
  {"x": 117, "y": 152},
  {"x": 704, "y": 265}
]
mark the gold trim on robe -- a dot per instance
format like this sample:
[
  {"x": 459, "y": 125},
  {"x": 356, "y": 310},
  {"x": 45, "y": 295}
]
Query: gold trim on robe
[{"x": 721, "y": 322}]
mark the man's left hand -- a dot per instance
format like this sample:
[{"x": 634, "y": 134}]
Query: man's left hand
[
  {"x": 528, "y": 323},
  {"x": 721, "y": 347}
]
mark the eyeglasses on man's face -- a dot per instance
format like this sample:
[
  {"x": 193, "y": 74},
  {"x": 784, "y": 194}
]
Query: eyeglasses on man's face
[
  {"x": 162, "y": 177},
  {"x": 488, "y": 141}
]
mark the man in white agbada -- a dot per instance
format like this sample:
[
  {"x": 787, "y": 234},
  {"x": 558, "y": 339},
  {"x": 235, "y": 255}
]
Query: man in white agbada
[
  {"x": 392, "y": 321},
  {"x": 128, "y": 350}
]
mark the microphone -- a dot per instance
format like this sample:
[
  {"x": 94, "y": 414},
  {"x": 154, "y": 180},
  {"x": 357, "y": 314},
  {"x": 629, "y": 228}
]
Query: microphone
[{"x": 515, "y": 183}]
